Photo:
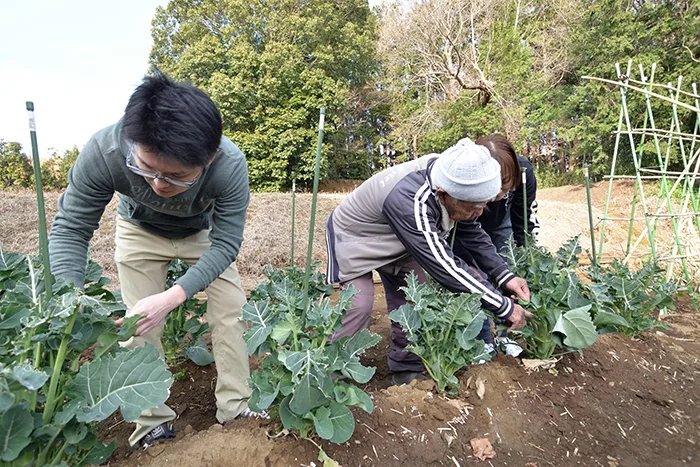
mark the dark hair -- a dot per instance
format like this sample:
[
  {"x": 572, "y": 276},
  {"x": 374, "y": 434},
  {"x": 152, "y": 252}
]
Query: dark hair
[
  {"x": 175, "y": 120},
  {"x": 501, "y": 150}
]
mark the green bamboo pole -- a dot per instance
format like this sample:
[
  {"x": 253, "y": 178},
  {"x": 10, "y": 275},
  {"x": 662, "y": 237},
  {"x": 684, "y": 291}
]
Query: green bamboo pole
[
  {"x": 317, "y": 171},
  {"x": 43, "y": 237},
  {"x": 663, "y": 165},
  {"x": 630, "y": 226},
  {"x": 623, "y": 94},
  {"x": 612, "y": 175},
  {"x": 590, "y": 212},
  {"x": 291, "y": 262}
]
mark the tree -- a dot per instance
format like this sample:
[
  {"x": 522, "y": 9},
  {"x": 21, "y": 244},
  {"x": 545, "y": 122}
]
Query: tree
[
  {"x": 269, "y": 66},
  {"x": 15, "y": 168},
  {"x": 54, "y": 171}
]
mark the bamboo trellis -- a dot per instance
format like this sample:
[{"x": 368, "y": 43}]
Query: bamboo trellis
[{"x": 677, "y": 201}]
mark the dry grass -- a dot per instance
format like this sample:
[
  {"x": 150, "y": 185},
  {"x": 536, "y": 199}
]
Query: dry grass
[{"x": 267, "y": 237}]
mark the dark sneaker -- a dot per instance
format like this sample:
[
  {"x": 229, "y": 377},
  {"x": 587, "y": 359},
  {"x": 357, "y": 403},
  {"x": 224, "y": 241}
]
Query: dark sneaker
[
  {"x": 159, "y": 433},
  {"x": 405, "y": 377},
  {"x": 247, "y": 413}
]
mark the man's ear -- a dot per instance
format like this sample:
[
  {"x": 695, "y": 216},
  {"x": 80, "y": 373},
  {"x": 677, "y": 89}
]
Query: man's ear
[{"x": 441, "y": 195}]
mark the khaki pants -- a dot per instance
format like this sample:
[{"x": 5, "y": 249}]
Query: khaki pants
[{"x": 142, "y": 260}]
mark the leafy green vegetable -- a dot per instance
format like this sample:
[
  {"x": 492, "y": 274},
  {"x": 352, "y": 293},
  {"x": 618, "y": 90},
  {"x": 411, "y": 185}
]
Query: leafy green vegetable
[
  {"x": 442, "y": 328},
  {"x": 61, "y": 369},
  {"x": 301, "y": 377},
  {"x": 184, "y": 330}
]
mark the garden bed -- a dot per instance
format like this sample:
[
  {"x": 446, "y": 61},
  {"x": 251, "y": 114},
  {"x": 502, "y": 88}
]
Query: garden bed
[{"x": 624, "y": 402}]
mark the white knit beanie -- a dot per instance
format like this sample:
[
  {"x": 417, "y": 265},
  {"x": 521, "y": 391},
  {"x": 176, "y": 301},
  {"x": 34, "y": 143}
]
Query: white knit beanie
[{"x": 467, "y": 172}]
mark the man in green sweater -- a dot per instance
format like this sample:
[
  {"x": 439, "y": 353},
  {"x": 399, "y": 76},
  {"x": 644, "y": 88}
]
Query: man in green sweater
[{"x": 183, "y": 193}]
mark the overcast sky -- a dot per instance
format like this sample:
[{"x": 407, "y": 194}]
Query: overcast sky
[{"x": 78, "y": 60}]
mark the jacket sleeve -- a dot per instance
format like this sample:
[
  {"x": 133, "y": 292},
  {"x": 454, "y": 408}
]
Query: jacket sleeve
[
  {"x": 412, "y": 217},
  {"x": 226, "y": 234},
  {"x": 516, "y": 211},
  {"x": 80, "y": 208},
  {"x": 470, "y": 237}
]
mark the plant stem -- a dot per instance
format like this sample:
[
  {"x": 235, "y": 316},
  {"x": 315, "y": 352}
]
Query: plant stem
[{"x": 58, "y": 364}]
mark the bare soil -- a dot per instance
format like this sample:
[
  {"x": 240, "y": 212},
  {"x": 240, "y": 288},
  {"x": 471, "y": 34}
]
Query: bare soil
[{"x": 624, "y": 402}]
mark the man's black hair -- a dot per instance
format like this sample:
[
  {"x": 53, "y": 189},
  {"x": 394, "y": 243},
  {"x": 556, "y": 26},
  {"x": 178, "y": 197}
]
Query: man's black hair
[{"x": 175, "y": 120}]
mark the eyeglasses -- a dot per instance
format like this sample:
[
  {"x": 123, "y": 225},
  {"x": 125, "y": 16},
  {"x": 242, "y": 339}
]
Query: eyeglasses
[{"x": 154, "y": 175}]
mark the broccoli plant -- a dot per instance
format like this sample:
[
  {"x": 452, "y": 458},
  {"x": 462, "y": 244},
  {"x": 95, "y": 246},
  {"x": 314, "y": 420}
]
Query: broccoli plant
[
  {"x": 61, "y": 369},
  {"x": 626, "y": 301},
  {"x": 304, "y": 378},
  {"x": 561, "y": 313},
  {"x": 442, "y": 328},
  {"x": 183, "y": 334}
]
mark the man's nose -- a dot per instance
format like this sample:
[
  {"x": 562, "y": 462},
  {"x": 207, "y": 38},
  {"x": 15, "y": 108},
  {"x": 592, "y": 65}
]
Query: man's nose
[{"x": 160, "y": 183}]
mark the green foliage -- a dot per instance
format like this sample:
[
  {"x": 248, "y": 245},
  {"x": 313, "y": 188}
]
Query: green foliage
[
  {"x": 269, "y": 67},
  {"x": 15, "y": 167},
  {"x": 561, "y": 314},
  {"x": 569, "y": 312},
  {"x": 183, "y": 334},
  {"x": 303, "y": 377},
  {"x": 442, "y": 328},
  {"x": 54, "y": 171},
  {"x": 628, "y": 301},
  {"x": 61, "y": 370}
]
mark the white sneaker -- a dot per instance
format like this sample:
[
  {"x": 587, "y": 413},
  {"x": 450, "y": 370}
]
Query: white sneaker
[{"x": 510, "y": 346}]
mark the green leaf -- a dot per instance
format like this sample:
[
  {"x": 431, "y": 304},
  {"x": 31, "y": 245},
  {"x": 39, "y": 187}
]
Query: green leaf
[
  {"x": 359, "y": 342},
  {"x": 307, "y": 396},
  {"x": 199, "y": 353},
  {"x": 281, "y": 332},
  {"x": 290, "y": 419},
  {"x": 577, "y": 327},
  {"x": 407, "y": 316},
  {"x": 259, "y": 314},
  {"x": 75, "y": 432},
  {"x": 605, "y": 318},
  {"x": 6, "y": 400},
  {"x": 322, "y": 422},
  {"x": 100, "y": 306},
  {"x": 467, "y": 335},
  {"x": 12, "y": 316},
  {"x": 107, "y": 340},
  {"x": 101, "y": 452},
  {"x": 133, "y": 381},
  {"x": 343, "y": 423},
  {"x": 16, "y": 425},
  {"x": 358, "y": 372},
  {"x": 29, "y": 377},
  {"x": 349, "y": 394}
]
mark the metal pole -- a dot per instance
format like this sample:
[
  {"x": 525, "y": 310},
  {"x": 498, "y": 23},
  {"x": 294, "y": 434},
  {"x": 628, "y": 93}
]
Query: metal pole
[
  {"x": 524, "y": 183},
  {"x": 590, "y": 212},
  {"x": 43, "y": 238},
  {"x": 317, "y": 171},
  {"x": 291, "y": 262}
]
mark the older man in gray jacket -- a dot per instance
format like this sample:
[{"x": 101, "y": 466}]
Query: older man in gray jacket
[{"x": 397, "y": 222}]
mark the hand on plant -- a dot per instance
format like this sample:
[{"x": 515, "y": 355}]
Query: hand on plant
[
  {"x": 519, "y": 287},
  {"x": 155, "y": 308},
  {"x": 518, "y": 318}
]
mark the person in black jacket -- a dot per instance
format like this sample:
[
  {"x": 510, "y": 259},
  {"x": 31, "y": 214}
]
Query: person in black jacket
[{"x": 503, "y": 217}]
